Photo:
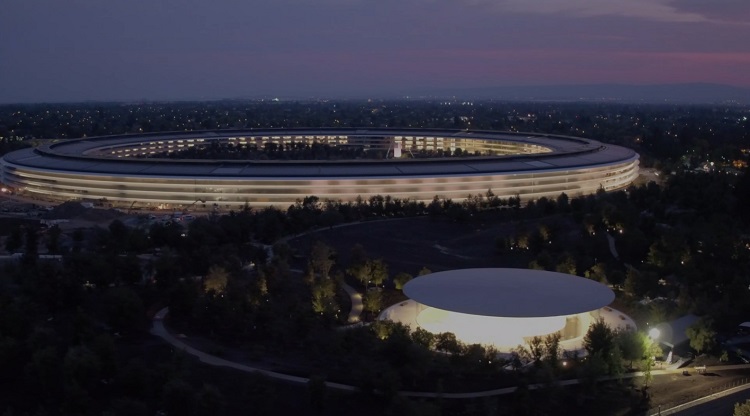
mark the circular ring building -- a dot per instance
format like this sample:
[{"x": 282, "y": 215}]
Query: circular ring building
[{"x": 133, "y": 169}]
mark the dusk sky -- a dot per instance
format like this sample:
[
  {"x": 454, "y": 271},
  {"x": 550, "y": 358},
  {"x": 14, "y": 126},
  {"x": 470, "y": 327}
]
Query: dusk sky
[{"x": 74, "y": 50}]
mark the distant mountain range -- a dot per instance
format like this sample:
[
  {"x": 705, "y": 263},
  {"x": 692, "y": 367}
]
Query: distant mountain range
[{"x": 660, "y": 93}]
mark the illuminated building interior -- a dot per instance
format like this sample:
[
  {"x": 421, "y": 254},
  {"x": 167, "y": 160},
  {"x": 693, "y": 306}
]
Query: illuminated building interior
[
  {"x": 114, "y": 168},
  {"x": 503, "y": 308},
  {"x": 369, "y": 142},
  {"x": 503, "y": 333}
]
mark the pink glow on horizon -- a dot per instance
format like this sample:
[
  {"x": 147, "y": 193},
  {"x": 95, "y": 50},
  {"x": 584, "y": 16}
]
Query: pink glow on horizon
[
  {"x": 493, "y": 67},
  {"x": 143, "y": 49}
]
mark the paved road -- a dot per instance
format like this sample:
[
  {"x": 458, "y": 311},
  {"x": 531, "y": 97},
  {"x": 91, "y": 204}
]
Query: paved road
[
  {"x": 160, "y": 330},
  {"x": 719, "y": 404}
]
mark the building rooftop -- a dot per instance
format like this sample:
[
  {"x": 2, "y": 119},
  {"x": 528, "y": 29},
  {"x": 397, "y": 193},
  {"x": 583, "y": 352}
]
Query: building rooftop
[
  {"x": 79, "y": 156},
  {"x": 518, "y": 293}
]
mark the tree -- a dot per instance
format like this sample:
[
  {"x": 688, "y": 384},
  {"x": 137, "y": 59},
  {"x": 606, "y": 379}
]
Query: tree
[
  {"x": 701, "y": 335},
  {"x": 14, "y": 240},
  {"x": 597, "y": 272},
  {"x": 648, "y": 363},
  {"x": 653, "y": 350},
  {"x": 632, "y": 345},
  {"x": 316, "y": 390},
  {"x": 128, "y": 269},
  {"x": 373, "y": 301},
  {"x": 210, "y": 401},
  {"x": 423, "y": 337},
  {"x": 543, "y": 261},
  {"x": 615, "y": 361},
  {"x": 262, "y": 285},
  {"x": 596, "y": 366},
  {"x": 599, "y": 339},
  {"x": 535, "y": 265},
  {"x": 324, "y": 297},
  {"x": 742, "y": 409},
  {"x": 371, "y": 272},
  {"x": 401, "y": 279},
  {"x": 124, "y": 308},
  {"x": 53, "y": 239},
  {"x": 216, "y": 280},
  {"x": 545, "y": 233},
  {"x": 77, "y": 400},
  {"x": 522, "y": 240},
  {"x": 321, "y": 259},
  {"x": 447, "y": 341},
  {"x": 331, "y": 216},
  {"x": 382, "y": 329},
  {"x": 178, "y": 398},
  {"x": 119, "y": 234},
  {"x": 130, "y": 407},
  {"x": 536, "y": 350},
  {"x": 638, "y": 284},
  {"x": 135, "y": 379},
  {"x": 31, "y": 246},
  {"x": 359, "y": 271},
  {"x": 423, "y": 271},
  {"x": 82, "y": 367},
  {"x": 552, "y": 350},
  {"x": 77, "y": 239},
  {"x": 378, "y": 271},
  {"x": 103, "y": 345}
]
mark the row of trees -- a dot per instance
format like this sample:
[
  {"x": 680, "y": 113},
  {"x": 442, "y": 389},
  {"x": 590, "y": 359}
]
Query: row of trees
[{"x": 272, "y": 308}]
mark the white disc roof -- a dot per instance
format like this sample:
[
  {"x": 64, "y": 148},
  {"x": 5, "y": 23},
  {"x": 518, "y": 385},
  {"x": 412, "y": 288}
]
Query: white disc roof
[{"x": 509, "y": 292}]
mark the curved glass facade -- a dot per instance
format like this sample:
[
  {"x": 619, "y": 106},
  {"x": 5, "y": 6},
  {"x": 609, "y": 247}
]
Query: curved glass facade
[{"x": 548, "y": 173}]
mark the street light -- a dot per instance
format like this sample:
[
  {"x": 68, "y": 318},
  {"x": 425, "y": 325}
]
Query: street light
[{"x": 654, "y": 333}]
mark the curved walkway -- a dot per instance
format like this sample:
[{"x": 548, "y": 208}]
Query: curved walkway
[
  {"x": 612, "y": 247},
  {"x": 159, "y": 329},
  {"x": 357, "y": 306},
  {"x": 354, "y": 296}
]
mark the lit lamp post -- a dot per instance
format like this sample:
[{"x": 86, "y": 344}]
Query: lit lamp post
[{"x": 654, "y": 333}]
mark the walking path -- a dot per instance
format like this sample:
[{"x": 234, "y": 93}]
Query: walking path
[
  {"x": 357, "y": 306},
  {"x": 346, "y": 224},
  {"x": 159, "y": 329},
  {"x": 612, "y": 248},
  {"x": 354, "y": 296}
]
